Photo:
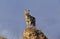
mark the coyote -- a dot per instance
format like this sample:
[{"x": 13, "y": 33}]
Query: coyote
[{"x": 30, "y": 20}]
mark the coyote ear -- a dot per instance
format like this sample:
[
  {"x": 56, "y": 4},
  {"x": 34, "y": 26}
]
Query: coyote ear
[{"x": 27, "y": 11}]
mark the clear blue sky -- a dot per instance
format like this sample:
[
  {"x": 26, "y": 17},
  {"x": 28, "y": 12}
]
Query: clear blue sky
[{"x": 12, "y": 22}]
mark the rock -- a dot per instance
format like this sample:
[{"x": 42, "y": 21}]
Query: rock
[
  {"x": 33, "y": 33},
  {"x": 2, "y": 37}
]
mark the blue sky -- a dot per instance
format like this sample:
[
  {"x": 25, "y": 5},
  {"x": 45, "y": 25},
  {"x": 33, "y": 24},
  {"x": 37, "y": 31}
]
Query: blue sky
[{"x": 12, "y": 21}]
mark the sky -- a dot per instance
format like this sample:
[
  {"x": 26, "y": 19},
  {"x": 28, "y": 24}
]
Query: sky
[{"x": 46, "y": 12}]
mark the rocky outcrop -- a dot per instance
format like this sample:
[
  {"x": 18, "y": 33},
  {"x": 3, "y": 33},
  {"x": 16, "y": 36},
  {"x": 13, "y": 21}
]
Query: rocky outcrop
[
  {"x": 33, "y": 33},
  {"x": 2, "y": 37}
]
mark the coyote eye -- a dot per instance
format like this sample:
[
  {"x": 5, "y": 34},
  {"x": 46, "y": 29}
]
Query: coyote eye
[{"x": 30, "y": 35}]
